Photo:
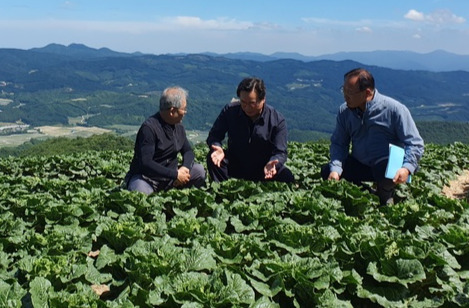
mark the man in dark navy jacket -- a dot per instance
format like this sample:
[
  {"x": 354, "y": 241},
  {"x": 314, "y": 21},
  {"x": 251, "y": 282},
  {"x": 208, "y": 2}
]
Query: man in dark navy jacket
[
  {"x": 257, "y": 138},
  {"x": 160, "y": 139}
]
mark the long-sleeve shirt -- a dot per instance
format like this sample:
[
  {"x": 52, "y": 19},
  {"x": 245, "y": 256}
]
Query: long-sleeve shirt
[
  {"x": 384, "y": 121},
  {"x": 251, "y": 145},
  {"x": 156, "y": 148}
]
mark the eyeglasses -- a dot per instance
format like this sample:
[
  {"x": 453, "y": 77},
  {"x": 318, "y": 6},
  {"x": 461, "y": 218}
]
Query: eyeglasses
[{"x": 342, "y": 90}]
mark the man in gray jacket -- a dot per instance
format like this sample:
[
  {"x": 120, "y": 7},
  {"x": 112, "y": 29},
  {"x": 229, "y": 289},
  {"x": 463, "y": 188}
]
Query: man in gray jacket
[{"x": 370, "y": 121}]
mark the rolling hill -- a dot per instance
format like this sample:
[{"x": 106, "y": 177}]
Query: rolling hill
[
  {"x": 435, "y": 61},
  {"x": 54, "y": 84}
]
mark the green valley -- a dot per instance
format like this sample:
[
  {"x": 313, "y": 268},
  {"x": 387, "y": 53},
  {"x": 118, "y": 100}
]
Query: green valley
[{"x": 54, "y": 86}]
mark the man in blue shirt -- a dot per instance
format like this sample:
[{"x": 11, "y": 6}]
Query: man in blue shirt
[
  {"x": 370, "y": 121},
  {"x": 160, "y": 139},
  {"x": 257, "y": 138}
]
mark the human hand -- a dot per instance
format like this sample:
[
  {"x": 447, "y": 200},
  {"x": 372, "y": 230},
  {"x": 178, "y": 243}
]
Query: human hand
[
  {"x": 270, "y": 170},
  {"x": 217, "y": 155},
  {"x": 401, "y": 176},
  {"x": 334, "y": 176},
  {"x": 183, "y": 177}
]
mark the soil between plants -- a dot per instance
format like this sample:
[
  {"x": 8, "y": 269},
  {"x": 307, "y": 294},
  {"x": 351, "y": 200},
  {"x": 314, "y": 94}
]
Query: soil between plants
[{"x": 459, "y": 187}]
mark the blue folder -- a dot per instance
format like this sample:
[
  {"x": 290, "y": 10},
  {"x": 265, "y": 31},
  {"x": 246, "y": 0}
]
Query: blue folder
[{"x": 396, "y": 159}]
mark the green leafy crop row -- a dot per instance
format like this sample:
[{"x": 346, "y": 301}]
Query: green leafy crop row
[{"x": 68, "y": 230}]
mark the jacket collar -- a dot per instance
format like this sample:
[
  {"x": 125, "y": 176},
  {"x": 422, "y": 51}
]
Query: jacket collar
[{"x": 261, "y": 117}]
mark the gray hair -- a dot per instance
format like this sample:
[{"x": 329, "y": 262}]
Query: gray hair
[{"x": 173, "y": 97}]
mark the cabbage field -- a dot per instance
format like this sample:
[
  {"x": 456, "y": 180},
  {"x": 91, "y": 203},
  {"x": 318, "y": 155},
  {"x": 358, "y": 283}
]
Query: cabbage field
[{"x": 70, "y": 236}]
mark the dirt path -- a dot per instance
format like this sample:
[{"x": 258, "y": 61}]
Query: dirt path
[{"x": 459, "y": 187}]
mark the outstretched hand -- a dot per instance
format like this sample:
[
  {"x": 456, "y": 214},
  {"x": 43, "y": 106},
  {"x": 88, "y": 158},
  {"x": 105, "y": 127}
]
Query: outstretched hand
[
  {"x": 217, "y": 155},
  {"x": 270, "y": 170}
]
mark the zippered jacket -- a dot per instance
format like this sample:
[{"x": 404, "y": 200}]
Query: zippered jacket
[
  {"x": 369, "y": 133},
  {"x": 156, "y": 148},
  {"x": 251, "y": 145}
]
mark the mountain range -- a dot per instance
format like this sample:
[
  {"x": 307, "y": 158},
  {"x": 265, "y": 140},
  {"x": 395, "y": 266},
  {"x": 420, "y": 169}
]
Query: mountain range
[
  {"x": 435, "y": 61},
  {"x": 60, "y": 84}
]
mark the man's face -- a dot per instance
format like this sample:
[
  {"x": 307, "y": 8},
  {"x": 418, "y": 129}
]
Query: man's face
[
  {"x": 250, "y": 104},
  {"x": 174, "y": 115},
  {"x": 180, "y": 112},
  {"x": 354, "y": 97}
]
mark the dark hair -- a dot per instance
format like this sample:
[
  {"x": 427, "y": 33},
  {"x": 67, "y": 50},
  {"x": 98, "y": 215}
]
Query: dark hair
[
  {"x": 252, "y": 83},
  {"x": 365, "y": 79}
]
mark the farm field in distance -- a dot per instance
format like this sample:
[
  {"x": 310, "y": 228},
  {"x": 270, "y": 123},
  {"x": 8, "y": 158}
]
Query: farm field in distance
[
  {"x": 50, "y": 131},
  {"x": 43, "y": 132}
]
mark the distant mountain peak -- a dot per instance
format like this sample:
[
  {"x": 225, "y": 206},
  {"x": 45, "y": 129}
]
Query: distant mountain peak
[
  {"x": 436, "y": 61},
  {"x": 81, "y": 50},
  {"x": 80, "y": 46}
]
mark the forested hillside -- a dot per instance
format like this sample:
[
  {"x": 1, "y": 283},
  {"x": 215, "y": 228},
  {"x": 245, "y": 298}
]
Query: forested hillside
[
  {"x": 443, "y": 133},
  {"x": 58, "y": 85}
]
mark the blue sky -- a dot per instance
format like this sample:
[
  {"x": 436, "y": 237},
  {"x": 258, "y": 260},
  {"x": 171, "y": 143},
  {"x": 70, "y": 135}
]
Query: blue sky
[{"x": 309, "y": 27}]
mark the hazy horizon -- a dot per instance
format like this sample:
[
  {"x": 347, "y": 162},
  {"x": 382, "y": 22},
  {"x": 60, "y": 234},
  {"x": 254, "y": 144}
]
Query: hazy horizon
[{"x": 310, "y": 28}]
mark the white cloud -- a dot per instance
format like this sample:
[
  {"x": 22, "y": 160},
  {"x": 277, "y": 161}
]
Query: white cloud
[
  {"x": 364, "y": 30},
  {"x": 415, "y": 15},
  {"x": 439, "y": 17},
  {"x": 445, "y": 17},
  {"x": 336, "y": 23},
  {"x": 195, "y": 34},
  {"x": 215, "y": 24},
  {"x": 180, "y": 23}
]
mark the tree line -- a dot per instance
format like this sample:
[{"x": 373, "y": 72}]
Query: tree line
[{"x": 441, "y": 133}]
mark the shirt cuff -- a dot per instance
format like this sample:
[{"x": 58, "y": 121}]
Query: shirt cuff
[
  {"x": 409, "y": 167},
  {"x": 336, "y": 169}
]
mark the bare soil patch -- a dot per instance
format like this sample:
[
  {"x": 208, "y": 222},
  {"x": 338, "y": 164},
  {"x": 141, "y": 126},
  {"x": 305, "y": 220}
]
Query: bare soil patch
[
  {"x": 459, "y": 187},
  {"x": 50, "y": 131},
  {"x": 56, "y": 131}
]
